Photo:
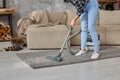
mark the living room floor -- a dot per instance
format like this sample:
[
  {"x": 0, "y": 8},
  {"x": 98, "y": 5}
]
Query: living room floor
[{"x": 13, "y": 68}]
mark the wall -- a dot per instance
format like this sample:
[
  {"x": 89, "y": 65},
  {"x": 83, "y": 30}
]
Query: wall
[{"x": 24, "y": 7}]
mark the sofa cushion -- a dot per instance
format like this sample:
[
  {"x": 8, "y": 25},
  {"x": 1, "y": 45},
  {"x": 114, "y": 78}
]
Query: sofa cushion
[
  {"x": 46, "y": 37},
  {"x": 57, "y": 18},
  {"x": 112, "y": 34},
  {"x": 70, "y": 15},
  {"x": 39, "y": 17},
  {"x": 109, "y": 17}
]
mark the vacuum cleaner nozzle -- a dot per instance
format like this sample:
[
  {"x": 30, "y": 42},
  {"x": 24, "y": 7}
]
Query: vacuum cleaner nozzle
[{"x": 55, "y": 58}]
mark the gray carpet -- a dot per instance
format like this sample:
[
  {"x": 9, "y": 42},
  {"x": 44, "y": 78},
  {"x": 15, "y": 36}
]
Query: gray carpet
[{"x": 38, "y": 59}]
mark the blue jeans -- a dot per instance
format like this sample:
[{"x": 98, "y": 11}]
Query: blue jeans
[{"x": 88, "y": 23}]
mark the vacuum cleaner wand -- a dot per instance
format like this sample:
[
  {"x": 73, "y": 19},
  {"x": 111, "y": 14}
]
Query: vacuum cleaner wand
[{"x": 66, "y": 40}]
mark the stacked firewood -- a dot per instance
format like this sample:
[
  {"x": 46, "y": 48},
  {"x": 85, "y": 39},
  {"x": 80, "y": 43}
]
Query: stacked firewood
[{"x": 5, "y": 31}]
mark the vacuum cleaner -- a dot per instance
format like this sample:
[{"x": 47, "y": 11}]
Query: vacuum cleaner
[{"x": 58, "y": 57}]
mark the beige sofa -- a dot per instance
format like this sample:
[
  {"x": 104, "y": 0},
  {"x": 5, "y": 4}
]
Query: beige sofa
[{"x": 51, "y": 34}]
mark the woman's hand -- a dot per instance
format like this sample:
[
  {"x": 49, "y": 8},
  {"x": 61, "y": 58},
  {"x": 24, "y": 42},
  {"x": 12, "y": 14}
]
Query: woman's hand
[{"x": 73, "y": 22}]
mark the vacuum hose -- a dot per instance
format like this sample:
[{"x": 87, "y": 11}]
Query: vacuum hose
[{"x": 68, "y": 37}]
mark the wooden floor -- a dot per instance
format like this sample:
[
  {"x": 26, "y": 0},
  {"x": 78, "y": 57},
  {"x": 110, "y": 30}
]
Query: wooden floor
[{"x": 12, "y": 68}]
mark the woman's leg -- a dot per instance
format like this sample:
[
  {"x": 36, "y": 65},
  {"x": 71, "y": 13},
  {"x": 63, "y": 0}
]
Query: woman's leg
[
  {"x": 92, "y": 17},
  {"x": 84, "y": 29}
]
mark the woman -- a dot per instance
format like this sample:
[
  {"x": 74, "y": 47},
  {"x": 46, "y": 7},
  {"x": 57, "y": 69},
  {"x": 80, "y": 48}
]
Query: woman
[{"x": 87, "y": 10}]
